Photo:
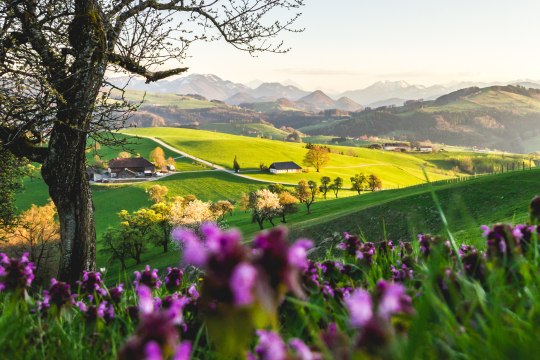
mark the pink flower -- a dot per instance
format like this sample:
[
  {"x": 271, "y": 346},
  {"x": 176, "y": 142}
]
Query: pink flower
[
  {"x": 270, "y": 346},
  {"x": 360, "y": 307},
  {"x": 297, "y": 255},
  {"x": 242, "y": 282}
]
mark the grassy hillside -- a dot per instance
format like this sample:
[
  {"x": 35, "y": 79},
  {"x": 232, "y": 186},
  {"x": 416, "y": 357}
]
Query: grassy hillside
[
  {"x": 395, "y": 169},
  {"x": 253, "y": 130},
  {"x": 140, "y": 147},
  {"x": 495, "y": 117},
  {"x": 402, "y": 214},
  {"x": 110, "y": 199}
]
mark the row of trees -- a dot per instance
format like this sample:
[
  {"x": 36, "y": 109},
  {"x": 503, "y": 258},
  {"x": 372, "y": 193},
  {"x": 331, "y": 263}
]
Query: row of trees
[
  {"x": 266, "y": 204},
  {"x": 153, "y": 225}
]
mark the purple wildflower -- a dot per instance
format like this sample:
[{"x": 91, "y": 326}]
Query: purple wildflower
[
  {"x": 302, "y": 351},
  {"x": 365, "y": 253},
  {"x": 146, "y": 302},
  {"x": 192, "y": 291},
  {"x": 402, "y": 273},
  {"x": 270, "y": 346},
  {"x": 16, "y": 273},
  {"x": 148, "y": 278},
  {"x": 360, "y": 307},
  {"x": 91, "y": 282},
  {"x": 297, "y": 255},
  {"x": 393, "y": 299},
  {"x": 183, "y": 351},
  {"x": 152, "y": 351},
  {"x": 157, "y": 333},
  {"x": 115, "y": 294},
  {"x": 93, "y": 312},
  {"x": 242, "y": 282},
  {"x": 173, "y": 279},
  {"x": 59, "y": 294}
]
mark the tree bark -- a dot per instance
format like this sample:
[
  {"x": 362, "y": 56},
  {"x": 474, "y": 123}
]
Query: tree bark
[{"x": 64, "y": 171}]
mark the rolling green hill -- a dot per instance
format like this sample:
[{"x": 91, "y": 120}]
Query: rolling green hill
[
  {"x": 395, "y": 169},
  {"x": 500, "y": 117},
  {"x": 253, "y": 130}
]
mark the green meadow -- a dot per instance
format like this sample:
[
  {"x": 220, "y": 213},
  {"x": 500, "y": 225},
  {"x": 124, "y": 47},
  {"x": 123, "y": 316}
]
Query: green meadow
[
  {"x": 395, "y": 169},
  {"x": 393, "y": 214},
  {"x": 251, "y": 129}
]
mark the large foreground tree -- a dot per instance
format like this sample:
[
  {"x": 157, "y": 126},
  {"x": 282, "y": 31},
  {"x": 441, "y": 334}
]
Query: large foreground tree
[{"x": 54, "y": 57}]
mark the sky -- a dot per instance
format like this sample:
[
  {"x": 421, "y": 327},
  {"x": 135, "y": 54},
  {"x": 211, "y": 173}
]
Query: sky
[{"x": 350, "y": 44}]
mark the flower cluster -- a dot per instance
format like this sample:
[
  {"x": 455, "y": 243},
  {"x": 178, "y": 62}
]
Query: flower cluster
[
  {"x": 429, "y": 244},
  {"x": 173, "y": 279},
  {"x": 506, "y": 241},
  {"x": 148, "y": 278},
  {"x": 157, "y": 336},
  {"x": 237, "y": 275},
  {"x": 272, "y": 347},
  {"x": 372, "y": 314},
  {"x": 15, "y": 274},
  {"x": 353, "y": 247},
  {"x": 58, "y": 296}
]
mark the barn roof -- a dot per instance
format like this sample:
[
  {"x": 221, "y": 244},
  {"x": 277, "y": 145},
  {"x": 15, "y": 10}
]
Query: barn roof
[
  {"x": 287, "y": 165},
  {"x": 130, "y": 163}
]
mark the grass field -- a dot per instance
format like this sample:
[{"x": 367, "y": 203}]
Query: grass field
[
  {"x": 253, "y": 130},
  {"x": 393, "y": 214},
  {"x": 395, "y": 169},
  {"x": 141, "y": 147}
]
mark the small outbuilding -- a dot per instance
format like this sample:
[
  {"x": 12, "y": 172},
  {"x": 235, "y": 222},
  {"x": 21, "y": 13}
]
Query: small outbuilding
[{"x": 285, "y": 167}]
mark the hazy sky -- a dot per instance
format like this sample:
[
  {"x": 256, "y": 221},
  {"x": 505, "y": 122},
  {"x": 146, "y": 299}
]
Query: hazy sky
[{"x": 350, "y": 44}]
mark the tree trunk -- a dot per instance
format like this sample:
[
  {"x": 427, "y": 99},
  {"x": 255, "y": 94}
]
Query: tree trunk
[
  {"x": 64, "y": 171},
  {"x": 166, "y": 234}
]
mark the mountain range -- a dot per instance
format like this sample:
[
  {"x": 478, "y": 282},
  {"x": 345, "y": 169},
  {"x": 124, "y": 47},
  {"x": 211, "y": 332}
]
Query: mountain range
[{"x": 382, "y": 93}]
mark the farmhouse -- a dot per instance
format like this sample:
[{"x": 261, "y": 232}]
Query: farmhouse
[
  {"x": 130, "y": 168},
  {"x": 396, "y": 147},
  {"x": 285, "y": 167}
]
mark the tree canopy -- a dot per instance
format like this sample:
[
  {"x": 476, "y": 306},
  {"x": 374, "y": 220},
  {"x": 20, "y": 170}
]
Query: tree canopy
[{"x": 54, "y": 92}]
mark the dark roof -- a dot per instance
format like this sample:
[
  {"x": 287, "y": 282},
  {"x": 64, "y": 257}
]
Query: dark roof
[
  {"x": 130, "y": 163},
  {"x": 287, "y": 165}
]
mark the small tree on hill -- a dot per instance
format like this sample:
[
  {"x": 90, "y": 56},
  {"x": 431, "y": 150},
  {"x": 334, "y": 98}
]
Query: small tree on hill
[
  {"x": 192, "y": 213},
  {"x": 36, "y": 231},
  {"x": 358, "y": 182},
  {"x": 306, "y": 192},
  {"x": 325, "y": 181},
  {"x": 118, "y": 243},
  {"x": 162, "y": 220},
  {"x": 264, "y": 206},
  {"x": 337, "y": 185},
  {"x": 236, "y": 165},
  {"x": 157, "y": 193},
  {"x": 171, "y": 161},
  {"x": 374, "y": 183},
  {"x": 157, "y": 156},
  {"x": 139, "y": 228},
  {"x": 221, "y": 209},
  {"x": 289, "y": 204},
  {"x": 317, "y": 156}
]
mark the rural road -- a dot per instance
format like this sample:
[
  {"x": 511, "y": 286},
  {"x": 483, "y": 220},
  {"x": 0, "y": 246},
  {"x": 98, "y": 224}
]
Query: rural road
[{"x": 207, "y": 163}]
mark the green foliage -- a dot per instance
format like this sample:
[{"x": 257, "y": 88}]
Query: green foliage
[{"x": 12, "y": 171}]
